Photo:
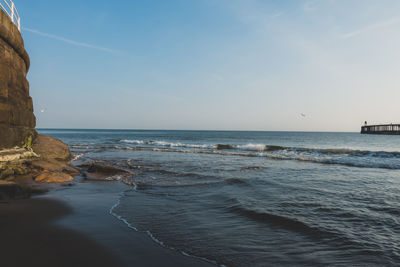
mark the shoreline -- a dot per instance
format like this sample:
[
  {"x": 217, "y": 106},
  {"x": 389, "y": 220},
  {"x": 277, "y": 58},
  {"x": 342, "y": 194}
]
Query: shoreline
[{"x": 73, "y": 225}]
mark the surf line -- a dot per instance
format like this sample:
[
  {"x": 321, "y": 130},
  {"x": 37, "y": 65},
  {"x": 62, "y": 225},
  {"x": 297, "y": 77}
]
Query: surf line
[{"x": 150, "y": 234}]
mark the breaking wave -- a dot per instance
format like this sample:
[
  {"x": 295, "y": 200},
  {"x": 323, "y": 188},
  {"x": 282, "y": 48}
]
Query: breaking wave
[
  {"x": 332, "y": 156},
  {"x": 165, "y": 144},
  {"x": 265, "y": 148}
]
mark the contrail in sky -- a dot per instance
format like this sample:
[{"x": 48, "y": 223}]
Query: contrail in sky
[
  {"x": 71, "y": 41},
  {"x": 371, "y": 27}
]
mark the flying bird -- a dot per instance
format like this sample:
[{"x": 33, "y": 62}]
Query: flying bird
[
  {"x": 303, "y": 115},
  {"x": 43, "y": 110}
]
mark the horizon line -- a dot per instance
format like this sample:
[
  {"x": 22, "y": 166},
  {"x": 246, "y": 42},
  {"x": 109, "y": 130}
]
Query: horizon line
[{"x": 116, "y": 129}]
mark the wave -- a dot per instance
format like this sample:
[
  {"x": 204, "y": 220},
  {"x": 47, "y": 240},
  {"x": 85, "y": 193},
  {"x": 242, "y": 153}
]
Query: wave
[
  {"x": 252, "y": 168},
  {"x": 165, "y": 144},
  {"x": 250, "y": 146},
  {"x": 349, "y": 152},
  {"x": 77, "y": 156},
  {"x": 137, "y": 142},
  {"x": 268, "y": 148},
  {"x": 344, "y": 157},
  {"x": 229, "y": 181},
  {"x": 222, "y": 147},
  {"x": 183, "y": 174},
  {"x": 259, "y": 147},
  {"x": 322, "y": 151},
  {"x": 280, "y": 221}
]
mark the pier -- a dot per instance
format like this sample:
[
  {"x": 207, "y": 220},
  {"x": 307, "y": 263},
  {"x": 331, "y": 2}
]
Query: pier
[{"x": 391, "y": 129}]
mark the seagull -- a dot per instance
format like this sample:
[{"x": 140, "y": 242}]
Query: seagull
[{"x": 303, "y": 115}]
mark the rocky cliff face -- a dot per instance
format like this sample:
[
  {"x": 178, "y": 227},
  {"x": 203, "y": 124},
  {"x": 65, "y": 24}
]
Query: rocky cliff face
[
  {"x": 17, "y": 121},
  {"x": 26, "y": 158}
]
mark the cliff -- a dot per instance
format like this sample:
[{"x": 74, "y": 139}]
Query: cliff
[
  {"x": 17, "y": 121},
  {"x": 26, "y": 158}
]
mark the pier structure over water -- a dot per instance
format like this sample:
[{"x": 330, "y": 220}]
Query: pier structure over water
[{"x": 391, "y": 129}]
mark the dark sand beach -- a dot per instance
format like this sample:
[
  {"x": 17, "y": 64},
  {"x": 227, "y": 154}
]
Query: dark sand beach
[{"x": 73, "y": 227}]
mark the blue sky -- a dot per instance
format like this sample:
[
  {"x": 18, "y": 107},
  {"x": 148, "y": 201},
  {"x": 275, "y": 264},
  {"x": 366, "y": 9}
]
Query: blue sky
[{"x": 213, "y": 64}]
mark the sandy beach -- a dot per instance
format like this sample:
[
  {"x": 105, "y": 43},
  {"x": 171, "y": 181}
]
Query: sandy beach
[{"x": 72, "y": 226}]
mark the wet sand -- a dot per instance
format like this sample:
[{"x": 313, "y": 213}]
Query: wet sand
[
  {"x": 73, "y": 227},
  {"x": 29, "y": 237}
]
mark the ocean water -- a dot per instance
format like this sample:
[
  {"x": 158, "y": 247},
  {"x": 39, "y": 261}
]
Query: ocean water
[{"x": 257, "y": 198}]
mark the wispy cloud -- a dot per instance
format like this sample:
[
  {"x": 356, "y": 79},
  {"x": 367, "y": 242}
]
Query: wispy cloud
[
  {"x": 311, "y": 5},
  {"x": 59, "y": 38},
  {"x": 277, "y": 14},
  {"x": 371, "y": 27}
]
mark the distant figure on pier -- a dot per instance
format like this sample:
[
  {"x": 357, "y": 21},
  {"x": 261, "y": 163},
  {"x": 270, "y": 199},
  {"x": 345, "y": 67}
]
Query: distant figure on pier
[{"x": 365, "y": 123}]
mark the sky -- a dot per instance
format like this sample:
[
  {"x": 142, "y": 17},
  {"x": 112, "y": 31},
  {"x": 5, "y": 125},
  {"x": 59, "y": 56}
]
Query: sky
[{"x": 306, "y": 65}]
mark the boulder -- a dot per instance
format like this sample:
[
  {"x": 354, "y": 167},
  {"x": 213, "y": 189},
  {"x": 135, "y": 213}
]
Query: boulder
[
  {"x": 54, "y": 177},
  {"x": 99, "y": 168},
  {"x": 49, "y": 148},
  {"x": 70, "y": 170},
  {"x": 100, "y": 172},
  {"x": 46, "y": 162},
  {"x": 48, "y": 165}
]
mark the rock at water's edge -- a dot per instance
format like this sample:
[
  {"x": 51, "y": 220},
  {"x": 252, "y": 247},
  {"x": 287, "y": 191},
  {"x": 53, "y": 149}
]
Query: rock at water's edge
[
  {"x": 49, "y": 165},
  {"x": 53, "y": 177},
  {"x": 49, "y": 148},
  {"x": 100, "y": 172}
]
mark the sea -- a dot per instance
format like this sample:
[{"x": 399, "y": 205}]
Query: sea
[{"x": 237, "y": 198}]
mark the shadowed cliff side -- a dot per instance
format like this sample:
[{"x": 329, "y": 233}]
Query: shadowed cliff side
[
  {"x": 17, "y": 121},
  {"x": 26, "y": 158}
]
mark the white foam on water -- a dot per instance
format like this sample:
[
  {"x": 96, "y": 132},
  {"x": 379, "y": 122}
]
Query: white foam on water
[
  {"x": 112, "y": 213},
  {"x": 177, "y": 144},
  {"x": 200, "y": 258},
  {"x": 165, "y": 144},
  {"x": 139, "y": 142},
  {"x": 113, "y": 178},
  {"x": 341, "y": 156},
  {"x": 252, "y": 147},
  {"x": 78, "y": 156},
  {"x": 155, "y": 239}
]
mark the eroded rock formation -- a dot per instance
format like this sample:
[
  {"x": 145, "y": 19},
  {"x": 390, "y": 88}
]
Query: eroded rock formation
[
  {"x": 25, "y": 156},
  {"x": 17, "y": 121}
]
